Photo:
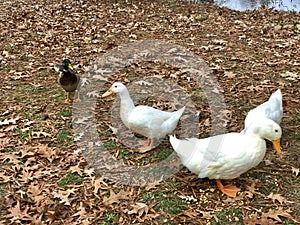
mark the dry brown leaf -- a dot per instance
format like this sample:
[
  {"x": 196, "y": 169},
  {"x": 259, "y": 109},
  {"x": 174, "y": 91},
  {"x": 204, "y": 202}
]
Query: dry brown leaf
[
  {"x": 115, "y": 198},
  {"x": 275, "y": 213},
  {"x": 190, "y": 213},
  {"x": 255, "y": 221},
  {"x": 139, "y": 208},
  {"x": 16, "y": 214},
  {"x": 279, "y": 198},
  {"x": 152, "y": 185},
  {"x": 290, "y": 75},
  {"x": 229, "y": 74}
]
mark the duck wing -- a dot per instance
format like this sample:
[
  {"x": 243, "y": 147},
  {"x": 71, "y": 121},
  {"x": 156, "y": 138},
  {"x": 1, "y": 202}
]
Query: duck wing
[{"x": 147, "y": 121}]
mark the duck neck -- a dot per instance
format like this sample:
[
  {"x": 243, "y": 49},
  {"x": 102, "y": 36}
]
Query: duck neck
[{"x": 126, "y": 106}]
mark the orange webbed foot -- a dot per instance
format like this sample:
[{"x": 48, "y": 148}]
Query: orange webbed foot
[
  {"x": 229, "y": 190},
  {"x": 146, "y": 145}
]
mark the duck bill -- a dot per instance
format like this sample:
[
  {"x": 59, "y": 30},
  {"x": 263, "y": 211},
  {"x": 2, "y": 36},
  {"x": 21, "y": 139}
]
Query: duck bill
[
  {"x": 70, "y": 67},
  {"x": 108, "y": 93},
  {"x": 276, "y": 145}
]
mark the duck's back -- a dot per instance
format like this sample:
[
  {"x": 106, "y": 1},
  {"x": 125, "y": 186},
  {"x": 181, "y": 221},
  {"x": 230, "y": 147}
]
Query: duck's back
[{"x": 147, "y": 121}]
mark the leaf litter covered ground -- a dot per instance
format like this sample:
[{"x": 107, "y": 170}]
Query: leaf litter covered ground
[{"x": 45, "y": 179}]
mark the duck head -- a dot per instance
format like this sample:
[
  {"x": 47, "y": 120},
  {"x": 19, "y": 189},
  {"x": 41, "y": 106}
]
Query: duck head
[{"x": 117, "y": 87}]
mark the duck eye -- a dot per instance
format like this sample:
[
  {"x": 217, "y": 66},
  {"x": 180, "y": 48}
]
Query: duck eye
[
  {"x": 276, "y": 131},
  {"x": 116, "y": 86}
]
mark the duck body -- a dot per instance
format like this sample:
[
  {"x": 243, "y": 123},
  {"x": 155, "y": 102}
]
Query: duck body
[
  {"x": 227, "y": 156},
  {"x": 220, "y": 157},
  {"x": 68, "y": 79},
  {"x": 145, "y": 120},
  {"x": 271, "y": 109},
  {"x": 152, "y": 123}
]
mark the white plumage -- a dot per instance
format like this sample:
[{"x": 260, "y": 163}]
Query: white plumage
[
  {"x": 147, "y": 121},
  {"x": 271, "y": 109},
  {"x": 227, "y": 156}
]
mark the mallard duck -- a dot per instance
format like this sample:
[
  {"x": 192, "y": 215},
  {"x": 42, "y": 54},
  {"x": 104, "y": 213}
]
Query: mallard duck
[
  {"x": 145, "y": 120},
  {"x": 271, "y": 109},
  {"x": 68, "y": 79},
  {"x": 227, "y": 156}
]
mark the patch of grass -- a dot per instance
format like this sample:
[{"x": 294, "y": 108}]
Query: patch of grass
[
  {"x": 297, "y": 136},
  {"x": 123, "y": 153},
  {"x": 235, "y": 102},
  {"x": 59, "y": 124},
  {"x": 229, "y": 216},
  {"x": 162, "y": 154},
  {"x": 110, "y": 145},
  {"x": 33, "y": 110},
  {"x": 24, "y": 134},
  {"x": 288, "y": 222},
  {"x": 64, "y": 136},
  {"x": 65, "y": 113},
  {"x": 165, "y": 202},
  {"x": 9, "y": 149},
  {"x": 109, "y": 217},
  {"x": 72, "y": 178}
]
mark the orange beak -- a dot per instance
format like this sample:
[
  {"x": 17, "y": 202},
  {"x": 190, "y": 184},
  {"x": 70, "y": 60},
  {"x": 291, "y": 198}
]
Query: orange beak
[
  {"x": 276, "y": 145},
  {"x": 108, "y": 93}
]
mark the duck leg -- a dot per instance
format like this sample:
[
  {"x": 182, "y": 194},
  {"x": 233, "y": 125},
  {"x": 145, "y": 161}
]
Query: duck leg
[
  {"x": 229, "y": 190},
  {"x": 146, "y": 145},
  {"x": 78, "y": 97},
  {"x": 67, "y": 100}
]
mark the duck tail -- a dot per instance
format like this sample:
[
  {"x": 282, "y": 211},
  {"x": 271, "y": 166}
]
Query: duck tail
[
  {"x": 177, "y": 114},
  {"x": 174, "y": 142},
  {"x": 185, "y": 149},
  {"x": 276, "y": 95},
  {"x": 180, "y": 111}
]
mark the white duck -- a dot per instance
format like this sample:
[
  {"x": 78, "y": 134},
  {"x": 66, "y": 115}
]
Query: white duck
[
  {"x": 145, "y": 120},
  {"x": 227, "y": 156},
  {"x": 271, "y": 109}
]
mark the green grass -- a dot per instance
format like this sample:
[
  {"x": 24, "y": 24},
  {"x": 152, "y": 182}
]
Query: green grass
[
  {"x": 24, "y": 134},
  {"x": 288, "y": 222},
  {"x": 65, "y": 113},
  {"x": 235, "y": 102},
  {"x": 297, "y": 136},
  {"x": 110, "y": 145},
  {"x": 165, "y": 202},
  {"x": 72, "y": 178},
  {"x": 64, "y": 136},
  {"x": 123, "y": 153},
  {"x": 162, "y": 154},
  {"x": 229, "y": 216},
  {"x": 9, "y": 149},
  {"x": 109, "y": 217}
]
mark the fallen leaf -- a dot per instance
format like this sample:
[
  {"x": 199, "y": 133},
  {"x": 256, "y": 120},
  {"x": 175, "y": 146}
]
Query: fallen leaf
[
  {"x": 229, "y": 74},
  {"x": 115, "y": 198},
  {"x": 279, "y": 198},
  {"x": 139, "y": 208},
  {"x": 275, "y": 213}
]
